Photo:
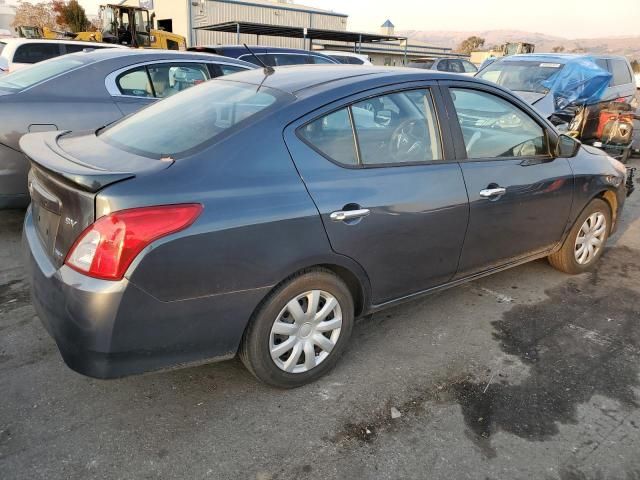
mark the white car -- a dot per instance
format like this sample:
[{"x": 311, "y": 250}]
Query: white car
[
  {"x": 349, "y": 58},
  {"x": 16, "y": 53}
]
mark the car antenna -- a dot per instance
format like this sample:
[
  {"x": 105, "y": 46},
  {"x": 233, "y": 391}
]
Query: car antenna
[{"x": 267, "y": 69}]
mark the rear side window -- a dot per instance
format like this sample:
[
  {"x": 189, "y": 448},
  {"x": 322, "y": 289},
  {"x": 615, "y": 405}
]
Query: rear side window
[
  {"x": 186, "y": 122},
  {"x": 468, "y": 67},
  {"x": 2, "y": 45},
  {"x": 162, "y": 80},
  {"x": 282, "y": 59},
  {"x": 36, "y": 52},
  {"x": 75, "y": 48},
  {"x": 493, "y": 128},
  {"x": 135, "y": 83},
  {"x": 621, "y": 73},
  {"x": 355, "y": 61},
  {"x": 386, "y": 130}
]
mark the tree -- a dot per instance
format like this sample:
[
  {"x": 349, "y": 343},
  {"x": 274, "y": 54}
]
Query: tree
[
  {"x": 71, "y": 15},
  {"x": 35, "y": 15},
  {"x": 470, "y": 44},
  {"x": 558, "y": 49}
]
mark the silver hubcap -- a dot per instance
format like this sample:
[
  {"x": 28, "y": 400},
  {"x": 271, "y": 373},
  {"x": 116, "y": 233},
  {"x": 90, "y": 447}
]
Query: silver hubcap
[
  {"x": 590, "y": 238},
  {"x": 305, "y": 332}
]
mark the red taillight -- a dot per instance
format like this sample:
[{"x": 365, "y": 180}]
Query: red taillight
[{"x": 107, "y": 247}]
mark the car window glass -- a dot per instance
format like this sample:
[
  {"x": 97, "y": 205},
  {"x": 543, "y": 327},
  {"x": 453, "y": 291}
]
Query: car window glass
[
  {"x": 493, "y": 127},
  {"x": 172, "y": 45},
  {"x": 40, "y": 72},
  {"x": 135, "y": 83},
  {"x": 264, "y": 57},
  {"x": 171, "y": 78},
  {"x": 36, "y": 52},
  {"x": 186, "y": 122},
  {"x": 443, "y": 65},
  {"x": 340, "y": 58},
  {"x": 229, "y": 69},
  {"x": 621, "y": 73},
  {"x": 282, "y": 59},
  {"x": 2, "y": 45},
  {"x": 75, "y": 48},
  {"x": 397, "y": 128},
  {"x": 321, "y": 60},
  {"x": 602, "y": 63},
  {"x": 333, "y": 136},
  {"x": 356, "y": 61},
  {"x": 469, "y": 67}
]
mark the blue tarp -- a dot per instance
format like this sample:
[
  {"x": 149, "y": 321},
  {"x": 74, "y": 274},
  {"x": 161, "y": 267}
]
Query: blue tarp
[{"x": 580, "y": 82}]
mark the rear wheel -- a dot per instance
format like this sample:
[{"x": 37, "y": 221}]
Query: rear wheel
[
  {"x": 300, "y": 331},
  {"x": 585, "y": 243}
]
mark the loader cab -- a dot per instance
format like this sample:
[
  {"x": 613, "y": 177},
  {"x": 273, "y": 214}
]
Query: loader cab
[{"x": 126, "y": 26}]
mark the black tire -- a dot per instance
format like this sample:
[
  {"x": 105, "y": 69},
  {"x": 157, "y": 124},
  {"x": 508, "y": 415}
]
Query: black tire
[
  {"x": 565, "y": 258},
  {"x": 255, "y": 346}
]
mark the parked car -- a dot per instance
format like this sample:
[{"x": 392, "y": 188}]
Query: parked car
[
  {"x": 348, "y": 58},
  {"x": 89, "y": 90},
  {"x": 453, "y": 65},
  {"x": 593, "y": 96},
  {"x": 279, "y": 207},
  {"x": 17, "y": 53},
  {"x": 270, "y": 56}
]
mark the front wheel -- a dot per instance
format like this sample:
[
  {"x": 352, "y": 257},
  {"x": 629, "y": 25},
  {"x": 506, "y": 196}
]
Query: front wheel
[
  {"x": 300, "y": 331},
  {"x": 585, "y": 243}
]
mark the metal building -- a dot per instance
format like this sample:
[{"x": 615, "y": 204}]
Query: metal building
[{"x": 7, "y": 14}]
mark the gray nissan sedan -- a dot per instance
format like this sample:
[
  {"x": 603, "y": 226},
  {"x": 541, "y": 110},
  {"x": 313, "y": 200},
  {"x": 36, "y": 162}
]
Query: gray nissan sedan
[
  {"x": 88, "y": 90},
  {"x": 259, "y": 214}
]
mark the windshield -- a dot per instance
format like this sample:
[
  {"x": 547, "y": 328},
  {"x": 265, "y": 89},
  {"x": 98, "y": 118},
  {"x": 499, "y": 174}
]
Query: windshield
[
  {"x": 521, "y": 76},
  {"x": 39, "y": 72},
  {"x": 189, "y": 120}
]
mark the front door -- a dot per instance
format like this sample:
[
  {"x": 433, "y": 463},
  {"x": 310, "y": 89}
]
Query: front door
[
  {"x": 519, "y": 194},
  {"x": 389, "y": 192}
]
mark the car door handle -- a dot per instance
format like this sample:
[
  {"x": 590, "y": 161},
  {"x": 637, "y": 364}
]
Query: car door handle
[
  {"x": 492, "y": 192},
  {"x": 343, "y": 215}
]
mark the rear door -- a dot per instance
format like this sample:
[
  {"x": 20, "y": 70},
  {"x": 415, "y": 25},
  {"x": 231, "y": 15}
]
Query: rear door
[
  {"x": 391, "y": 196},
  {"x": 520, "y": 195}
]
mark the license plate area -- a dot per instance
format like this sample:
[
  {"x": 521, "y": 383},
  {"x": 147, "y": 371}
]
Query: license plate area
[{"x": 46, "y": 214}]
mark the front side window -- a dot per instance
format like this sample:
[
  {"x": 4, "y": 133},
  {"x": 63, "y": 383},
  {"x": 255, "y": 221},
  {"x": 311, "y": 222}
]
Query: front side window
[
  {"x": 494, "y": 128},
  {"x": 31, "y": 76},
  {"x": 36, "y": 52},
  {"x": 187, "y": 121},
  {"x": 390, "y": 129}
]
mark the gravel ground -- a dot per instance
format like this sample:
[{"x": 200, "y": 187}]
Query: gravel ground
[{"x": 526, "y": 374}]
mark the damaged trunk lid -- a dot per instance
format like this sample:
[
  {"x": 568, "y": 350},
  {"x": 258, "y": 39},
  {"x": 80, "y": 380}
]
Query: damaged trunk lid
[{"x": 67, "y": 172}]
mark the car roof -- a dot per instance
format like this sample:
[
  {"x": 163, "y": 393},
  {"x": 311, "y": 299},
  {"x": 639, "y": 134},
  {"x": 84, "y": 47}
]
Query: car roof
[
  {"x": 155, "y": 54},
  {"x": 255, "y": 48},
  {"x": 562, "y": 58},
  {"x": 21, "y": 41},
  {"x": 296, "y": 79}
]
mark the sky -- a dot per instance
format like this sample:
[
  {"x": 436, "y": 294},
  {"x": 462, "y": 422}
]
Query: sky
[{"x": 562, "y": 18}]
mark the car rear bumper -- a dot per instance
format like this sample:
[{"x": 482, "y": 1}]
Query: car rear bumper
[
  {"x": 14, "y": 168},
  {"x": 108, "y": 329}
]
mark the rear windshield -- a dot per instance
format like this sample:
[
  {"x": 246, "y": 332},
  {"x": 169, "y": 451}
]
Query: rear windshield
[
  {"x": 27, "y": 77},
  {"x": 187, "y": 121},
  {"x": 521, "y": 76},
  {"x": 422, "y": 64}
]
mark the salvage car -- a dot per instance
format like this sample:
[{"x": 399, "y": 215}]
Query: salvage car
[
  {"x": 287, "y": 202},
  {"x": 591, "y": 96},
  {"x": 89, "y": 89}
]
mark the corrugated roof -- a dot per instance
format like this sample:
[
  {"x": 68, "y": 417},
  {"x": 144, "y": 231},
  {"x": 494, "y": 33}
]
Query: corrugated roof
[{"x": 284, "y": 6}]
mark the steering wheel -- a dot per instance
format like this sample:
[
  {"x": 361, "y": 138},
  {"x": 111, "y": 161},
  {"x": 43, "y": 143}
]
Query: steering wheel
[{"x": 407, "y": 142}]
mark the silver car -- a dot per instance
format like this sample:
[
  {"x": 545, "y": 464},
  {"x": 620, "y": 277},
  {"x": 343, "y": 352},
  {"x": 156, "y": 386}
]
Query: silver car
[{"x": 88, "y": 90}]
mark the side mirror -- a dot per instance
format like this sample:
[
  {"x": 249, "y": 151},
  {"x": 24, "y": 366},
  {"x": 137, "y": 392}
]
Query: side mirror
[{"x": 567, "y": 147}]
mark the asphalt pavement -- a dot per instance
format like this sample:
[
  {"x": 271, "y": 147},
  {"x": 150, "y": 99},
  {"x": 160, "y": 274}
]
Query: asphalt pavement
[{"x": 526, "y": 374}]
